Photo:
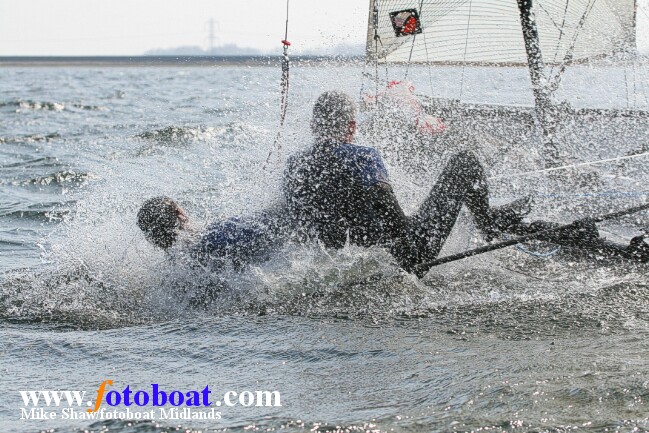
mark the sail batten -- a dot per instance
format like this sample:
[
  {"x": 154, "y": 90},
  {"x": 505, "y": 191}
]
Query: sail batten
[{"x": 489, "y": 31}]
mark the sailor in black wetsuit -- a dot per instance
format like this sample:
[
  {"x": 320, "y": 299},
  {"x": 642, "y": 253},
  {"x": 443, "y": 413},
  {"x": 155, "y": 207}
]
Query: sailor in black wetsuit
[{"x": 338, "y": 192}]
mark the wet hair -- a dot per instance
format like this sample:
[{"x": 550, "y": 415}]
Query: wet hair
[
  {"x": 332, "y": 113},
  {"x": 158, "y": 219}
]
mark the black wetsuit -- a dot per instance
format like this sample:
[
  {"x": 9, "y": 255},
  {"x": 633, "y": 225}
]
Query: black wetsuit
[
  {"x": 329, "y": 194},
  {"x": 340, "y": 192},
  {"x": 242, "y": 240}
]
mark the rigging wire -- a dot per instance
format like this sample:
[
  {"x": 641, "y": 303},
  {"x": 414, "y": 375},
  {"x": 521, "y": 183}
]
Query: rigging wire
[
  {"x": 626, "y": 85},
  {"x": 644, "y": 12},
  {"x": 645, "y": 90},
  {"x": 376, "y": 67},
  {"x": 559, "y": 28},
  {"x": 568, "y": 57},
  {"x": 364, "y": 75},
  {"x": 375, "y": 23},
  {"x": 277, "y": 145},
  {"x": 570, "y": 166},
  {"x": 430, "y": 72},
  {"x": 410, "y": 57},
  {"x": 377, "y": 41},
  {"x": 466, "y": 46},
  {"x": 635, "y": 99},
  {"x": 563, "y": 24},
  {"x": 414, "y": 38}
]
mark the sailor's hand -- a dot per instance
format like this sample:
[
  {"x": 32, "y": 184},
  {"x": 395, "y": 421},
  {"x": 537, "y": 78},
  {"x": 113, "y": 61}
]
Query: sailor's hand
[
  {"x": 581, "y": 232},
  {"x": 638, "y": 249}
]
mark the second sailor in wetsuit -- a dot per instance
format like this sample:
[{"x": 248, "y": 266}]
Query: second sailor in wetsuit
[
  {"x": 337, "y": 192},
  {"x": 236, "y": 241}
]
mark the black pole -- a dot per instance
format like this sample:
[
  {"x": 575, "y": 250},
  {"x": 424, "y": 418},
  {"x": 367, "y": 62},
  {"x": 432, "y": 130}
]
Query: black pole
[
  {"x": 425, "y": 267},
  {"x": 542, "y": 97}
]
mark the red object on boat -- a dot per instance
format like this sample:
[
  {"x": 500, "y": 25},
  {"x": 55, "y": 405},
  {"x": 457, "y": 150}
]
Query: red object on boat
[{"x": 410, "y": 27}]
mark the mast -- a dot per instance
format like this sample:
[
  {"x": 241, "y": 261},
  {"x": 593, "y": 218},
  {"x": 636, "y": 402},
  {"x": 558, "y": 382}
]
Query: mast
[
  {"x": 542, "y": 97},
  {"x": 633, "y": 36},
  {"x": 372, "y": 31}
]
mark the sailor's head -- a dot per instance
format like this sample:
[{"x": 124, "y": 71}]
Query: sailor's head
[
  {"x": 334, "y": 117},
  {"x": 160, "y": 218}
]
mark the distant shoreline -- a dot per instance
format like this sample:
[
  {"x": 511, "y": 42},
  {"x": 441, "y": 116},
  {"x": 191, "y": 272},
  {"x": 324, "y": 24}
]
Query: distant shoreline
[
  {"x": 258, "y": 60},
  {"x": 211, "y": 61}
]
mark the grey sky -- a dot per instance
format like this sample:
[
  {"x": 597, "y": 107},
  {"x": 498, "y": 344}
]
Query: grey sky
[
  {"x": 131, "y": 27},
  {"x": 121, "y": 27}
]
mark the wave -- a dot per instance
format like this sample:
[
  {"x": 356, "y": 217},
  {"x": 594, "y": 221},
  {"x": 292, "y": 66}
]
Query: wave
[
  {"x": 46, "y": 161},
  {"x": 21, "y": 104},
  {"x": 26, "y": 298},
  {"x": 57, "y": 178},
  {"x": 117, "y": 94},
  {"x": 31, "y": 138},
  {"x": 45, "y": 212},
  {"x": 177, "y": 137},
  {"x": 105, "y": 285},
  {"x": 35, "y": 215},
  {"x": 27, "y": 104},
  {"x": 179, "y": 134},
  {"x": 187, "y": 134},
  {"x": 88, "y": 107}
]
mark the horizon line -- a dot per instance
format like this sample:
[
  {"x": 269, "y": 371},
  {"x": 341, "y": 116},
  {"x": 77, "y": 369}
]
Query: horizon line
[{"x": 172, "y": 60}]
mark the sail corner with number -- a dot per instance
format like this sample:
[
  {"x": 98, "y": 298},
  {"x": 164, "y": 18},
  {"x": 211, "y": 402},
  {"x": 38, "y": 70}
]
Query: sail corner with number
[{"x": 489, "y": 31}]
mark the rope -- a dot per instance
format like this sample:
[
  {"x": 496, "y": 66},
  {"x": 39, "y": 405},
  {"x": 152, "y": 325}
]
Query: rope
[
  {"x": 414, "y": 38},
  {"x": 377, "y": 41},
  {"x": 277, "y": 144},
  {"x": 567, "y": 167},
  {"x": 571, "y": 49},
  {"x": 405, "y": 76},
  {"x": 635, "y": 90},
  {"x": 643, "y": 71},
  {"x": 626, "y": 85},
  {"x": 375, "y": 22},
  {"x": 598, "y": 194},
  {"x": 560, "y": 28},
  {"x": 430, "y": 72},
  {"x": 536, "y": 254},
  {"x": 364, "y": 75},
  {"x": 466, "y": 46}
]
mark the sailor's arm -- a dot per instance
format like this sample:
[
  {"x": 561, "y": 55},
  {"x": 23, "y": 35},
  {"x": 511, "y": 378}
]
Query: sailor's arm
[
  {"x": 395, "y": 227},
  {"x": 394, "y": 224},
  {"x": 387, "y": 209}
]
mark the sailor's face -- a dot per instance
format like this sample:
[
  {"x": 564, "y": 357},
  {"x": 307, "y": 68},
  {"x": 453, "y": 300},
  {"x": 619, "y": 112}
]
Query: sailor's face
[
  {"x": 351, "y": 132},
  {"x": 183, "y": 219}
]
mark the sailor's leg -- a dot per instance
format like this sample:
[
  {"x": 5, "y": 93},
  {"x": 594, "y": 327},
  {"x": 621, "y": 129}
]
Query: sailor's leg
[{"x": 461, "y": 182}]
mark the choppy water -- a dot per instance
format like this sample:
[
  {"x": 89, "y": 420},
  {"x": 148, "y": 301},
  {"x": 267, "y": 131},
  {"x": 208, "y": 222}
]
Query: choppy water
[{"x": 500, "y": 342}]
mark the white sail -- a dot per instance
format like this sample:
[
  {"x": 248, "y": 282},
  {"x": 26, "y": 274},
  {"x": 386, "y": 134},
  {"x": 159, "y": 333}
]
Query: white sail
[{"x": 489, "y": 31}]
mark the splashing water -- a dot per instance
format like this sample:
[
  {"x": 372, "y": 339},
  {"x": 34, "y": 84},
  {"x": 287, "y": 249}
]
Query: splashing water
[{"x": 499, "y": 341}]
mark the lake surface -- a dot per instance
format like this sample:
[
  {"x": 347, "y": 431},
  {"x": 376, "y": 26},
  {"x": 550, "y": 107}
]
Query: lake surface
[{"x": 501, "y": 342}]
